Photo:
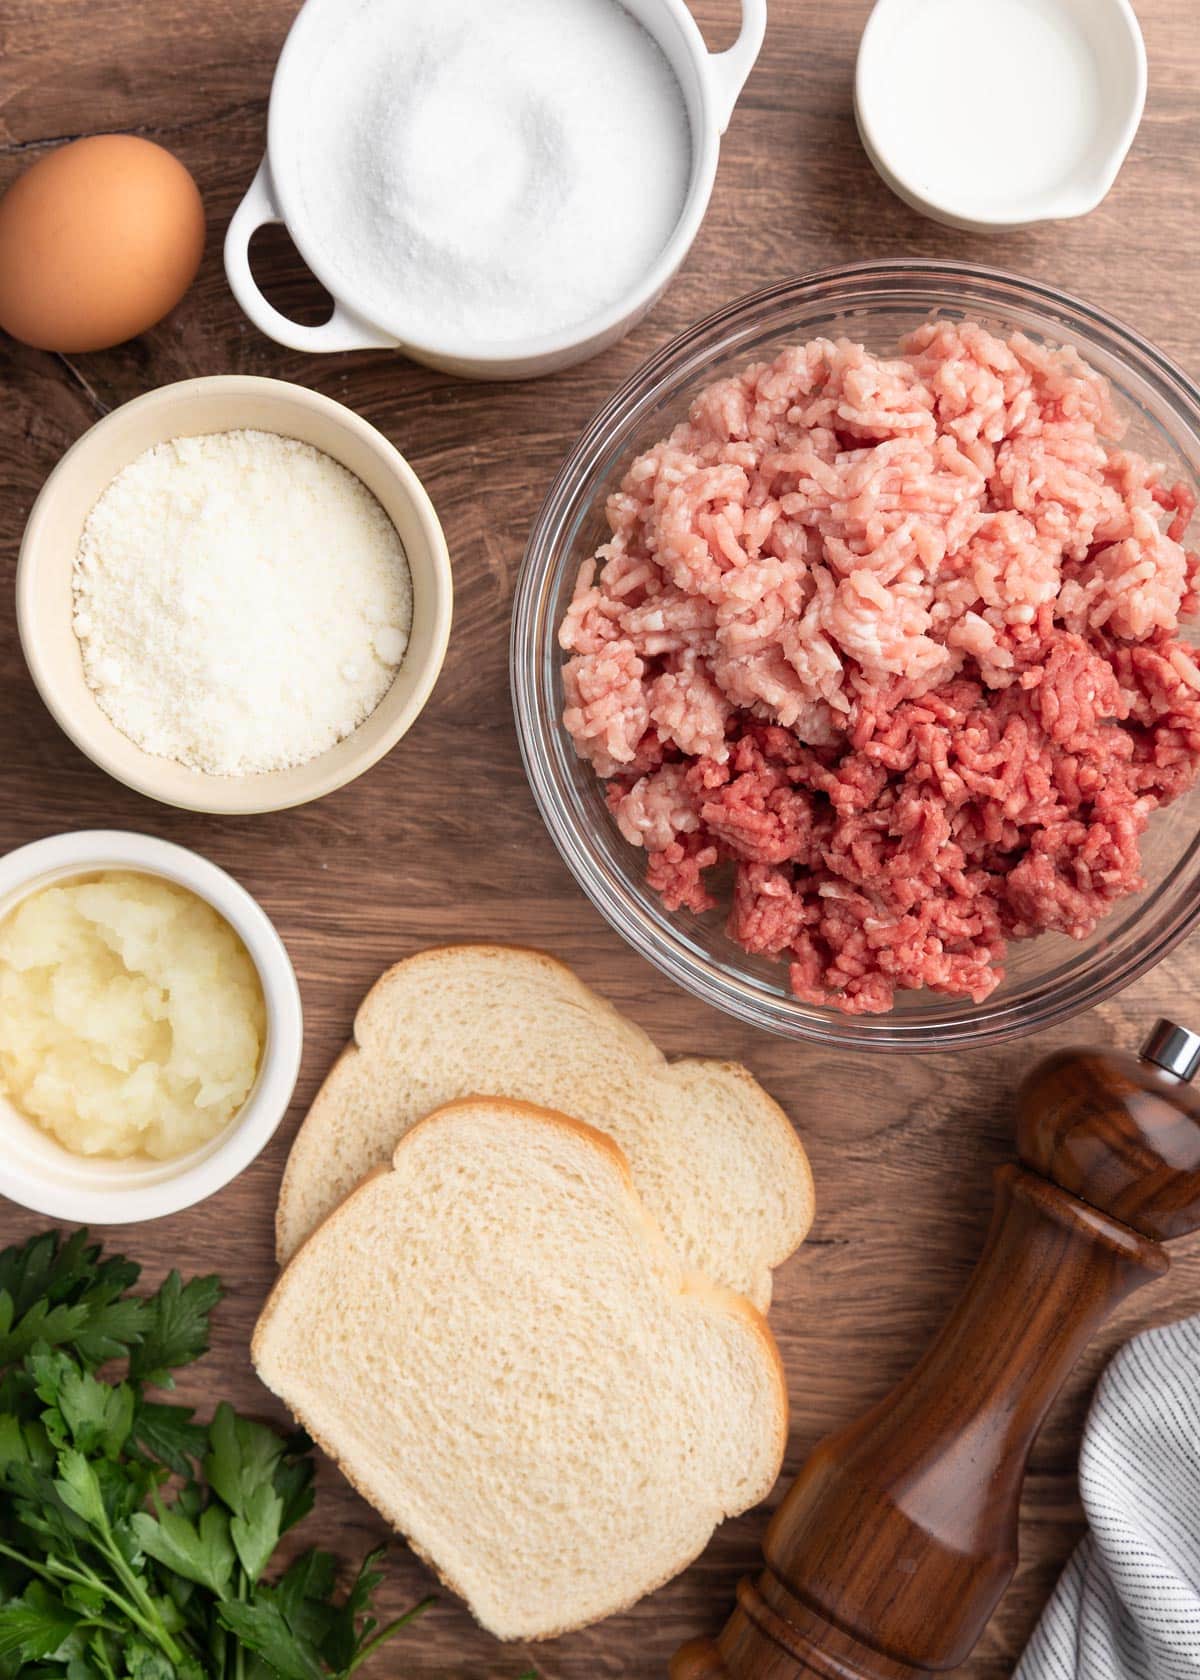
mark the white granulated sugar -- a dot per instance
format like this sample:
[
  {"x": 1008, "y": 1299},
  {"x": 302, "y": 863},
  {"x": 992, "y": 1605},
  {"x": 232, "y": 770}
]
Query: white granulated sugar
[
  {"x": 488, "y": 170},
  {"x": 242, "y": 602}
]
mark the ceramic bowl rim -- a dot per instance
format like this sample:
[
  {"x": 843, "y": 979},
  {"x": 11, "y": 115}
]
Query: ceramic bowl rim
[
  {"x": 705, "y": 157},
  {"x": 84, "y": 852},
  {"x": 231, "y": 795},
  {"x": 969, "y": 221}
]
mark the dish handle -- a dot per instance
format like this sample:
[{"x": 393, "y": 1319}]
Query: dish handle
[
  {"x": 342, "y": 331},
  {"x": 728, "y": 70}
]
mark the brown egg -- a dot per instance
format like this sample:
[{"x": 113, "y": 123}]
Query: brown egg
[{"x": 98, "y": 240}]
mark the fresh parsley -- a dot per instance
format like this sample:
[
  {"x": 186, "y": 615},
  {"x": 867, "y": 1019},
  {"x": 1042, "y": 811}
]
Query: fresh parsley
[{"x": 135, "y": 1542}]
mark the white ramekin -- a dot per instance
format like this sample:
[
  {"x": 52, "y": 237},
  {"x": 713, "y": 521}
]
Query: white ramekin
[
  {"x": 37, "y": 1171},
  {"x": 711, "y": 83},
  {"x": 887, "y": 70}
]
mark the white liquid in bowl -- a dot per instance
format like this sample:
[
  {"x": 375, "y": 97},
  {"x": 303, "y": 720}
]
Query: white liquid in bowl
[{"x": 1005, "y": 110}]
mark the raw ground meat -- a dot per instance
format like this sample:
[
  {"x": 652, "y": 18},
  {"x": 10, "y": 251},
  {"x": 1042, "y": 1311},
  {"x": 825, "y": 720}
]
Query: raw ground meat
[{"x": 897, "y": 639}]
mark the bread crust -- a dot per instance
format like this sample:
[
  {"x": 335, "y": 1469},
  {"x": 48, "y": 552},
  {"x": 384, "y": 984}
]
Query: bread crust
[
  {"x": 691, "y": 1283},
  {"x": 315, "y": 1121}
]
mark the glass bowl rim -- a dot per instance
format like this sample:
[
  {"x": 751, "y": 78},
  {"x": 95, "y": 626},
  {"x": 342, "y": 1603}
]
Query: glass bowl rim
[{"x": 882, "y": 281}]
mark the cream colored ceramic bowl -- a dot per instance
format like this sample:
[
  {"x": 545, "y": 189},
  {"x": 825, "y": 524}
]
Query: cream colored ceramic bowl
[
  {"x": 35, "y": 1169},
  {"x": 196, "y": 406}
]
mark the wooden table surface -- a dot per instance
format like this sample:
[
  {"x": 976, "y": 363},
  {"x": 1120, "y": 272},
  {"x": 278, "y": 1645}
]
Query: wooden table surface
[{"x": 442, "y": 840}]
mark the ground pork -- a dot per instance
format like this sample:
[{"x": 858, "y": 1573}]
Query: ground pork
[{"x": 894, "y": 638}]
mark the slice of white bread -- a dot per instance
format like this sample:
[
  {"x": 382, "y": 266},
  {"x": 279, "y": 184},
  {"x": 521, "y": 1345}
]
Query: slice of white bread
[
  {"x": 715, "y": 1160},
  {"x": 506, "y": 1358}
]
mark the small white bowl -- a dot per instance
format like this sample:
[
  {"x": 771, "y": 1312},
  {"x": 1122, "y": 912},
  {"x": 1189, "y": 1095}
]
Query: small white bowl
[
  {"x": 46, "y": 567},
  {"x": 37, "y": 1171},
  {"x": 992, "y": 115},
  {"x": 710, "y": 83}
]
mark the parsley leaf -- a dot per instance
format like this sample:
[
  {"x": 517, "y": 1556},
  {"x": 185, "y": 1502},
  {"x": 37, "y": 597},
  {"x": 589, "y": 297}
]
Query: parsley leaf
[
  {"x": 145, "y": 1663},
  {"x": 305, "y": 1596},
  {"x": 177, "y": 1332},
  {"x": 241, "y": 1468},
  {"x": 134, "y": 1541},
  {"x": 353, "y": 1633},
  {"x": 91, "y": 1415},
  {"x": 13, "y": 1449},
  {"x": 47, "y": 1269},
  {"x": 242, "y": 1457},
  {"x": 293, "y": 1484},
  {"x": 78, "y": 1486},
  {"x": 262, "y": 1627},
  {"x": 168, "y": 1433},
  {"x": 34, "y": 1625},
  {"x": 62, "y": 1293},
  {"x": 201, "y": 1552}
]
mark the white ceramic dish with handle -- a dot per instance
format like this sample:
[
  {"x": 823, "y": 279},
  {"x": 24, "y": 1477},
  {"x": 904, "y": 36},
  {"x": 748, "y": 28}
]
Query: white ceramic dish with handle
[
  {"x": 35, "y": 1169},
  {"x": 710, "y": 83},
  {"x": 993, "y": 115}
]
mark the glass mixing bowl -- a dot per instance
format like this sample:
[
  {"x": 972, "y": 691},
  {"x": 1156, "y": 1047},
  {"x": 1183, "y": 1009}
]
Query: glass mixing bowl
[{"x": 1048, "y": 978}]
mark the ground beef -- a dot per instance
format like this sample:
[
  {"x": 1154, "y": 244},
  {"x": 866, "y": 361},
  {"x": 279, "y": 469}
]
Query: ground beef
[{"x": 896, "y": 638}]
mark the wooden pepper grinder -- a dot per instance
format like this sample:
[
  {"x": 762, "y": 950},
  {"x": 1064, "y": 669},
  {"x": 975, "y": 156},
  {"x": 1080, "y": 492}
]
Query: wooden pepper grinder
[{"x": 899, "y": 1535}]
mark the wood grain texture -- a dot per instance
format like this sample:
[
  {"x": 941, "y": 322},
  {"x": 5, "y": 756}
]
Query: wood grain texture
[
  {"x": 917, "y": 1503},
  {"x": 442, "y": 840}
]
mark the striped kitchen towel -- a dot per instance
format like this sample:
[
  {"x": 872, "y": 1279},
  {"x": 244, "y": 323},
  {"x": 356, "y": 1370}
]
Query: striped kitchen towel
[{"x": 1128, "y": 1604}]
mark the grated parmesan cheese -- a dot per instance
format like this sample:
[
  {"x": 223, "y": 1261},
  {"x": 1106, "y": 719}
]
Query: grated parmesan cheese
[{"x": 242, "y": 602}]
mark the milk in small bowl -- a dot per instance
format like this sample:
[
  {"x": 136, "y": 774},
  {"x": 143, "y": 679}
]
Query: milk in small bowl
[{"x": 990, "y": 115}]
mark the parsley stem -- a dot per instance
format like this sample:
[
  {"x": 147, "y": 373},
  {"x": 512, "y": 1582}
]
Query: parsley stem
[
  {"x": 56, "y": 1570},
  {"x": 146, "y": 1616},
  {"x": 385, "y": 1634},
  {"x": 149, "y": 1620},
  {"x": 150, "y": 1624},
  {"x": 28, "y": 1563},
  {"x": 239, "y": 1659},
  {"x": 99, "y": 1650}
]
